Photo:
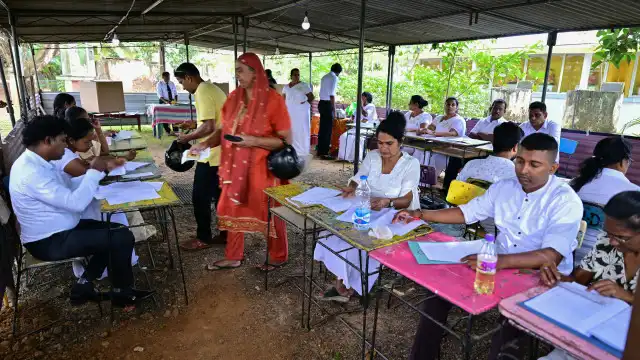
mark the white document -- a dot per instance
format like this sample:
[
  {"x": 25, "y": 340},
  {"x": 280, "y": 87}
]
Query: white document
[
  {"x": 347, "y": 216},
  {"x": 315, "y": 196},
  {"x": 157, "y": 185},
  {"x": 339, "y": 203},
  {"x": 586, "y": 312},
  {"x": 123, "y": 135},
  {"x": 139, "y": 175},
  {"x": 109, "y": 140},
  {"x": 188, "y": 156},
  {"x": 613, "y": 332},
  {"x": 133, "y": 165},
  {"x": 132, "y": 196},
  {"x": 400, "y": 229},
  {"x": 123, "y": 192},
  {"x": 119, "y": 171},
  {"x": 450, "y": 252}
]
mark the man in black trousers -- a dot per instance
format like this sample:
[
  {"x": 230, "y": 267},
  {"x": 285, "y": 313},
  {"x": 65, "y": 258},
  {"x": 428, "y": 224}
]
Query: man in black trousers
[{"x": 327, "y": 109}]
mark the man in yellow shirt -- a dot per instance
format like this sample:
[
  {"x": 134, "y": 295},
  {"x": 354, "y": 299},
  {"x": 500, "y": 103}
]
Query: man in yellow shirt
[{"x": 206, "y": 185}]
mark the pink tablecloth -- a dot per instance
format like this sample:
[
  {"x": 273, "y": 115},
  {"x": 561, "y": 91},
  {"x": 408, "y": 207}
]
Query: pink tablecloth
[
  {"x": 552, "y": 333},
  {"x": 170, "y": 114},
  {"x": 453, "y": 282}
]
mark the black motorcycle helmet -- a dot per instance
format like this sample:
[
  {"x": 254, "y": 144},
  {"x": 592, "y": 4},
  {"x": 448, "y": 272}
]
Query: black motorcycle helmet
[
  {"x": 173, "y": 157},
  {"x": 284, "y": 163}
]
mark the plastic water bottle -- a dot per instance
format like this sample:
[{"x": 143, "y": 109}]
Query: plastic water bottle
[
  {"x": 486, "y": 268},
  {"x": 362, "y": 213}
]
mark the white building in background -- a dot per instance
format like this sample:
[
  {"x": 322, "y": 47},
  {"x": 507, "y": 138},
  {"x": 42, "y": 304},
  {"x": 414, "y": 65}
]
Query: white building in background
[{"x": 570, "y": 70}]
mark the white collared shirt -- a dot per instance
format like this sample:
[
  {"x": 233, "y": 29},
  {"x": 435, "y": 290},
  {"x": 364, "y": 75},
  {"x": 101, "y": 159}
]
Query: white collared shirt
[
  {"x": 328, "y": 86},
  {"x": 549, "y": 127},
  {"x": 414, "y": 122},
  {"x": 44, "y": 200},
  {"x": 547, "y": 218},
  {"x": 161, "y": 90},
  {"x": 605, "y": 186},
  {"x": 457, "y": 123},
  {"x": 486, "y": 126},
  {"x": 491, "y": 169},
  {"x": 372, "y": 113}
]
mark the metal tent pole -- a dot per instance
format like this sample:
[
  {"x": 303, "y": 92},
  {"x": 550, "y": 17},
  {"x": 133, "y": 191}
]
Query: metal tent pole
[
  {"x": 163, "y": 57},
  {"x": 245, "y": 26},
  {"x": 235, "y": 45},
  {"x": 186, "y": 46},
  {"x": 7, "y": 94},
  {"x": 356, "y": 154},
  {"x": 392, "y": 57},
  {"x": 310, "y": 70},
  {"x": 18, "y": 66},
  {"x": 551, "y": 42}
]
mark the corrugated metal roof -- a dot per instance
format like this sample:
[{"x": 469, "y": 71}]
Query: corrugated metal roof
[{"x": 334, "y": 23}]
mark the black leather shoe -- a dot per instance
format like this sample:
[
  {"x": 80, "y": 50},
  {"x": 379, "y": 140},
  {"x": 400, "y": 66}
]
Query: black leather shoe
[
  {"x": 83, "y": 293},
  {"x": 129, "y": 297}
]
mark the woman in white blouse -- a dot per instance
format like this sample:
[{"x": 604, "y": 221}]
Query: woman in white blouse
[
  {"x": 393, "y": 177},
  {"x": 417, "y": 119},
  {"x": 601, "y": 177},
  {"x": 449, "y": 125},
  {"x": 347, "y": 141}
]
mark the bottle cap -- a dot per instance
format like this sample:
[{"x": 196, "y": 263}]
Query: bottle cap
[
  {"x": 490, "y": 237},
  {"x": 363, "y": 177}
]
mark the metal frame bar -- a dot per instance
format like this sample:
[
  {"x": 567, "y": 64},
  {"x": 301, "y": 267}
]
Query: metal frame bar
[
  {"x": 551, "y": 42},
  {"x": 356, "y": 151},
  {"x": 7, "y": 94},
  {"x": 391, "y": 57},
  {"x": 17, "y": 62}
]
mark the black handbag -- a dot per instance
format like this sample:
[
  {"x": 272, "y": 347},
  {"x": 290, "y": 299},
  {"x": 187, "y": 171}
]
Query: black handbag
[{"x": 284, "y": 163}]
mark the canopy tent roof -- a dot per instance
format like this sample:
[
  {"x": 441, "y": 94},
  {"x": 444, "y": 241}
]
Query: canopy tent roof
[{"x": 334, "y": 23}]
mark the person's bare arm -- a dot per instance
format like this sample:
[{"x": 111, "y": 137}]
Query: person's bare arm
[
  {"x": 333, "y": 105},
  {"x": 212, "y": 141},
  {"x": 402, "y": 202},
  {"x": 205, "y": 129},
  {"x": 485, "y": 136},
  {"x": 444, "y": 216},
  {"x": 269, "y": 143},
  {"x": 310, "y": 97},
  {"x": 527, "y": 260},
  {"x": 450, "y": 133},
  {"x": 475, "y": 136},
  {"x": 76, "y": 167}
]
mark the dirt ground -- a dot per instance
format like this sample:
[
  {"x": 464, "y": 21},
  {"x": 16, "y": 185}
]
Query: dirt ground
[{"x": 229, "y": 316}]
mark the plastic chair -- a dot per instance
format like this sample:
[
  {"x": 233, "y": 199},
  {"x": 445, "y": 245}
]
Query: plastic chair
[
  {"x": 461, "y": 192},
  {"x": 568, "y": 147},
  {"x": 593, "y": 215}
]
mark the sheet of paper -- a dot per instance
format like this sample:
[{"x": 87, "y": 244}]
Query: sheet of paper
[
  {"x": 587, "y": 311},
  {"x": 450, "y": 252},
  {"x": 403, "y": 229},
  {"x": 157, "y": 185},
  {"x": 188, "y": 156},
  {"x": 123, "y": 135},
  {"x": 109, "y": 140},
  {"x": 377, "y": 217},
  {"x": 613, "y": 332},
  {"x": 315, "y": 195},
  {"x": 133, "y": 165},
  {"x": 139, "y": 175},
  {"x": 119, "y": 171},
  {"x": 338, "y": 203},
  {"x": 132, "y": 196},
  {"x": 122, "y": 192}
]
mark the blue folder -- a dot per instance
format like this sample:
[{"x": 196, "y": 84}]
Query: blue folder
[{"x": 420, "y": 256}]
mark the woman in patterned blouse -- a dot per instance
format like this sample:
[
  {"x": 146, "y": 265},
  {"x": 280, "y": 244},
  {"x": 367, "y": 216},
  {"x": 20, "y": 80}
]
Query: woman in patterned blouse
[{"x": 611, "y": 268}]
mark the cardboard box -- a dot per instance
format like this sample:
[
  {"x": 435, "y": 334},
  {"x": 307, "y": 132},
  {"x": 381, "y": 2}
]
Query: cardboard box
[{"x": 102, "y": 96}]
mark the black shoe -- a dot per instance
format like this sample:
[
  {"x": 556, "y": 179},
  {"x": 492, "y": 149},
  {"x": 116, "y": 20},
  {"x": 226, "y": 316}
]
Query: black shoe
[
  {"x": 129, "y": 297},
  {"x": 328, "y": 157},
  {"x": 220, "y": 239},
  {"x": 83, "y": 293}
]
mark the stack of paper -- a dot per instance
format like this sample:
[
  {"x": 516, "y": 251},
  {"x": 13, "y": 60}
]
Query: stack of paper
[
  {"x": 127, "y": 167},
  {"x": 589, "y": 313},
  {"x": 384, "y": 217},
  {"x": 339, "y": 203},
  {"x": 449, "y": 252},
  {"x": 124, "y": 192},
  {"x": 202, "y": 156},
  {"x": 313, "y": 196}
]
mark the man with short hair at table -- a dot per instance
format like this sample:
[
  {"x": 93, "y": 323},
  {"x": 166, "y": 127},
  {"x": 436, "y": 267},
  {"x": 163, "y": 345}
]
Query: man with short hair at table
[
  {"x": 206, "y": 183},
  {"x": 538, "y": 217},
  {"x": 49, "y": 207},
  {"x": 538, "y": 123},
  {"x": 484, "y": 128},
  {"x": 167, "y": 94}
]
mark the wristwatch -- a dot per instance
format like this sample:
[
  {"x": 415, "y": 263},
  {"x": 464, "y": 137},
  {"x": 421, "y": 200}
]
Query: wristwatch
[{"x": 391, "y": 203}]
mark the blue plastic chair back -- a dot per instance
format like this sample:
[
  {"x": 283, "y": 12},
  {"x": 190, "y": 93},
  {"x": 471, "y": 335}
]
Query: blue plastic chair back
[
  {"x": 568, "y": 146},
  {"x": 593, "y": 214}
]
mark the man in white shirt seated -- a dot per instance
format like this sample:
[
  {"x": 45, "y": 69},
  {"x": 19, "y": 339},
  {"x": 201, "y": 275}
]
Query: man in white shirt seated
[
  {"x": 49, "y": 206},
  {"x": 167, "y": 94},
  {"x": 538, "y": 217},
  {"x": 484, "y": 128},
  {"x": 538, "y": 122}
]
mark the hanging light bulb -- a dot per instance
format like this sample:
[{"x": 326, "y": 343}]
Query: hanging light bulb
[
  {"x": 277, "y": 50},
  {"x": 115, "y": 41},
  {"x": 305, "y": 23}
]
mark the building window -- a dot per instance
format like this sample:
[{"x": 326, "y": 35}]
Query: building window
[
  {"x": 572, "y": 72},
  {"x": 622, "y": 74},
  {"x": 536, "y": 69}
]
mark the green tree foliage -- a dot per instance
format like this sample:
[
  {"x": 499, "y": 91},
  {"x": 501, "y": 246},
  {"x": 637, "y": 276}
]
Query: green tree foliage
[{"x": 616, "y": 46}]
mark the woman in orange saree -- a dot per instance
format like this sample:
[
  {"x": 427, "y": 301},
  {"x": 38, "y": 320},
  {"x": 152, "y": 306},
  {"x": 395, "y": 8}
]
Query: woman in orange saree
[{"x": 256, "y": 114}]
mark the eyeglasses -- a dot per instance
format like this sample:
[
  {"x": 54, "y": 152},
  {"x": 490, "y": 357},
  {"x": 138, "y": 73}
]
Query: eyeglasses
[{"x": 620, "y": 239}]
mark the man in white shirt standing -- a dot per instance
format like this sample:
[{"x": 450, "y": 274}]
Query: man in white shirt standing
[
  {"x": 167, "y": 94},
  {"x": 484, "y": 128},
  {"x": 327, "y": 109},
  {"x": 48, "y": 206},
  {"x": 538, "y": 217}
]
